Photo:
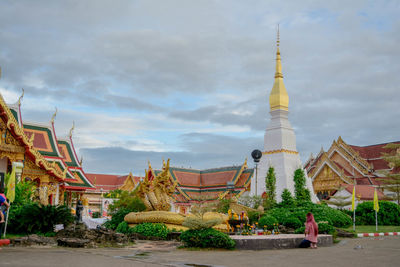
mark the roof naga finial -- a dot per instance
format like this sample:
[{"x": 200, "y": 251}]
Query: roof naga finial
[
  {"x": 54, "y": 116},
  {"x": 20, "y": 98},
  {"x": 72, "y": 129},
  {"x": 81, "y": 161}
]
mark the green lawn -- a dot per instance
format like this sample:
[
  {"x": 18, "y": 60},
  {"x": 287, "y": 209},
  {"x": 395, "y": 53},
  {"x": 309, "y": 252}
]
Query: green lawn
[{"x": 371, "y": 228}]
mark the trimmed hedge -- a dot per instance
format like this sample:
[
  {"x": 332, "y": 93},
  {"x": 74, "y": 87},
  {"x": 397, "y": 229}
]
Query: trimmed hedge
[
  {"x": 389, "y": 213},
  {"x": 321, "y": 212},
  {"x": 207, "y": 238}
]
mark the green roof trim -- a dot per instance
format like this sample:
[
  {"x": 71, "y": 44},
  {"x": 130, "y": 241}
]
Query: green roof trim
[
  {"x": 73, "y": 162},
  {"x": 44, "y": 129},
  {"x": 85, "y": 182},
  {"x": 15, "y": 114}
]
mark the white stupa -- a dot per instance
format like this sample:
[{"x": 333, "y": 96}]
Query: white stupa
[{"x": 280, "y": 149}]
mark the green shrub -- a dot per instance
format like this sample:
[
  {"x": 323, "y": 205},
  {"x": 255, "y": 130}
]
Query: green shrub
[
  {"x": 321, "y": 212},
  {"x": 268, "y": 221},
  {"x": 326, "y": 228},
  {"x": 35, "y": 218},
  {"x": 254, "y": 216},
  {"x": 287, "y": 199},
  {"x": 124, "y": 228},
  {"x": 96, "y": 214},
  {"x": 207, "y": 238},
  {"x": 116, "y": 218},
  {"x": 389, "y": 213},
  {"x": 223, "y": 205},
  {"x": 128, "y": 200},
  {"x": 151, "y": 229},
  {"x": 291, "y": 222}
]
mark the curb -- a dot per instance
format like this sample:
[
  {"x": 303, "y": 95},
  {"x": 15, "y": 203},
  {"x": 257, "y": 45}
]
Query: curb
[
  {"x": 4, "y": 242},
  {"x": 378, "y": 234}
]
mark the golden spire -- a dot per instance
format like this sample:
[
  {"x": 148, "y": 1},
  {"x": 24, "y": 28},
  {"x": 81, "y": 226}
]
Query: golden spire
[
  {"x": 278, "y": 99},
  {"x": 72, "y": 129},
  {"x": 53, "y": 117},
  {"x": 20, "y": 98}
]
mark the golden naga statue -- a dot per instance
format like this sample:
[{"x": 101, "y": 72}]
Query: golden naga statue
[{"x": 156, "y": 194}]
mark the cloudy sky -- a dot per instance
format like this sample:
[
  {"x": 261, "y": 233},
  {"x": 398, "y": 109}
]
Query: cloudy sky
[{"x": 189, "y": 80}]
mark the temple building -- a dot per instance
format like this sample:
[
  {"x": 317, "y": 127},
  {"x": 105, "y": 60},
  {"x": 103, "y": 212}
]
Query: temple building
[
  {"x": 41, "y": 157},
  {"x": 206, "y": 186},
  {"x": 104, "y": 183},
  {"x": 336, "y": 171},
  {"x": 280, "y": 150}
]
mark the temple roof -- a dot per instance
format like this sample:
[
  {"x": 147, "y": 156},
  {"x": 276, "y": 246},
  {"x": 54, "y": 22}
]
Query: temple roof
[
  {"x": 365, "y": 192},
  {"x": 109, "y": 182},
  {"x": 209, "y": 184},
  {"x": 60, "y": 153},
  {"x": 362, "y": 164}
]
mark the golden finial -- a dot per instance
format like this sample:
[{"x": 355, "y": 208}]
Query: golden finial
[
  {"x": 81, "y": 161},
  {"x": 54, "y": 116},
  {"x": 277, "y": 39},
  {"x": 72, "y": 129},
  {"x": 20, "y": 98},
  {"x": 278, "y": 98}
]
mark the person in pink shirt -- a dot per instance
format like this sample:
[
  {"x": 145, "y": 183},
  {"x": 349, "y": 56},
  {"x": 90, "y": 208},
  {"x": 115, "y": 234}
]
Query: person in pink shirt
[{"x": 311, "y": 233}]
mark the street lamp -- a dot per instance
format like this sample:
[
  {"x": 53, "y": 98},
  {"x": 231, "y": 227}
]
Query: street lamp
[{"x": 256, "y": 155}]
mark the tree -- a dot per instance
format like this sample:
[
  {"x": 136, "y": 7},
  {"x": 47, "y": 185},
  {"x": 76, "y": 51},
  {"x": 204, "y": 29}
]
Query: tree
[
  {"x": 300, "y": 190},
  {"x": 270, "y": 188},
  {"x": 287, "y": 198},
  {"x": 392, "y": 180}
]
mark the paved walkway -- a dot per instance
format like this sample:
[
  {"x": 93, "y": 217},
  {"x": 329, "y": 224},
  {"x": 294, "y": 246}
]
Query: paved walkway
[{"x": 373, "y": 251}]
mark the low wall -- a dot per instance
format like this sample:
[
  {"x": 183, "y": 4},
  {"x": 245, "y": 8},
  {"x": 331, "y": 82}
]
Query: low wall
[{"x": 281, "y": 241}]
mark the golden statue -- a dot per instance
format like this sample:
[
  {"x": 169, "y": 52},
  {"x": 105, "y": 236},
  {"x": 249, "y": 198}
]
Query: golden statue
[{"x": 156, "y": 194}]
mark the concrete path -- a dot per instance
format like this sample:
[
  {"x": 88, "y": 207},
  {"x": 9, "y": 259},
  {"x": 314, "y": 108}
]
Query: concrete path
[{"x": 373, "y": 251}]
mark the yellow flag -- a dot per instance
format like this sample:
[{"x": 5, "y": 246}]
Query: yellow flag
[
  {"x": 353, "y": 199},
  {"x": 376, "y": 203},
  {"x": 11, "y": 186}
]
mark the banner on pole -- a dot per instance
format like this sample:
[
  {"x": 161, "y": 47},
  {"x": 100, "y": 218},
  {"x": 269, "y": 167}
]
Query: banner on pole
[
  {"x": 376, "y": 201},
  {"x": 353, "y": 199}
]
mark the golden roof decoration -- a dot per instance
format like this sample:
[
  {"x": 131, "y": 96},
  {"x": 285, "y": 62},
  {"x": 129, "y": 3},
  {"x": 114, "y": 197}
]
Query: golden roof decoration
[
  {"x": 278, "y": 98},
  {"x": 40, "y": 161},
  {"x": 53, "y": 117}
]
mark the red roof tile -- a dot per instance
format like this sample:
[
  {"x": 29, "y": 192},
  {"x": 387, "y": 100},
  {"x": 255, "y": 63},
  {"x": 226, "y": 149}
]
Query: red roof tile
[
  {"x": 366, "y": 192},
  {"x": 372, "y": 151}
]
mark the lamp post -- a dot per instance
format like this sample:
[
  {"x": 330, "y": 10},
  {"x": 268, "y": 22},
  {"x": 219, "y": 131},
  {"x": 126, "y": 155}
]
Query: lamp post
[{"x": 256, "y": 155}]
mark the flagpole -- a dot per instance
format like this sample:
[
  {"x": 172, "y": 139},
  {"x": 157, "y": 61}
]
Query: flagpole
[
  {"x": 5, "y": 226},
  {"x": 376, "y": 221},
  {"x": 353, "y": 202}
]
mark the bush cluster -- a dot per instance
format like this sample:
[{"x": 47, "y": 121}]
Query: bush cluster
[
  {"x": 124, "y": 228},
  {"x": 36, "y": 218},
  {"x": 268, "y": 221},
  {"x": 292, "y": 222},
  {"x": 149, "y": 229},
  {"x": 117, "y": 217},
  {"x": 321, "y": 212},
  {"x": 389, "y": 213},
  {"x": 207, "y": 238}
]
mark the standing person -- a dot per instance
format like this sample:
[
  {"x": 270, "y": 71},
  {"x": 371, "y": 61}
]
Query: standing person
[
  {"x": 311, "y": 233},
  {"x": 3, "y": 205}
]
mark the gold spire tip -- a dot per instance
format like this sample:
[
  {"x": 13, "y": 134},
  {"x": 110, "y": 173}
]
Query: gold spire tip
[{"x": 277, "y": 38}]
